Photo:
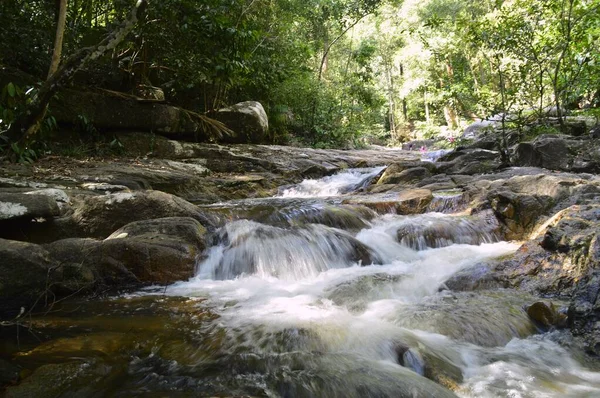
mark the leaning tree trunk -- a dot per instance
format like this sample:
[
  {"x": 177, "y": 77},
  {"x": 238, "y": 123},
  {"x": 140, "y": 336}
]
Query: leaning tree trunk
[
  {"x": 21, "y": 128},
  {"x": 58, "y": 39}
]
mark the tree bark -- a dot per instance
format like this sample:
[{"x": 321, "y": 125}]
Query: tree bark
[
  {"x": 21, "y": 128},
  {"x": 58, "y": 39}
]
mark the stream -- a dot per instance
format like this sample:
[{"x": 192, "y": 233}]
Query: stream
[{"x": 305, "y": 295}]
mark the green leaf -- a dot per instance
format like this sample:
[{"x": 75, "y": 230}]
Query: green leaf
[{"x": 11, "y": 89}]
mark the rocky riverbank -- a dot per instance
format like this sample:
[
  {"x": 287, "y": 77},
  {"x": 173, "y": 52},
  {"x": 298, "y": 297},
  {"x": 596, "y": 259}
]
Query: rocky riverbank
[{"x": 79, "y": 227}]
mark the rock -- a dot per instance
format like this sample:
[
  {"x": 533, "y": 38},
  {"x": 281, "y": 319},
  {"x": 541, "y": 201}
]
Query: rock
[
  {"x": 162, "y": 250},
  {"x": 53, "y": 380},
  {"x": 413, "y": 201},
  {"x": 519, "y": 212},
  {"x": 470, "y": 161},
  {"x": 99, "y": 216},
  {"x": 411, "y": 358},
  {"x": 553, "y": 152},
  {"x": 398, "y": 167},
  {"x": 9, "y": 373},
  {"x": 410, "y": 201},
  {"x": 29, "y": 275},
  {"x": 478, "y": 127},
  {"x": 574, "y": 128},
  {"x": 477, "y": 277},
  {"x": 248, "y": 120},
  {"x": 406, "y": 176},
  {"x": 14, "y": 206},
  {"x": 417, "y": 144},
  {"x": 121, "y": 112},
  {"x": 429, "y": 365},
  {"x": 559, "y": 152},
  {"x": 149, "y": 93},
  {"x": 595, "y": 132},
  {"x": 546, "y": 315}
]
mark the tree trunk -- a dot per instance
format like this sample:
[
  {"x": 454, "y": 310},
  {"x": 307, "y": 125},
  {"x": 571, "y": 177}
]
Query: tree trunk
[
  {"x": 426, "y": 101},
  {"x": 34, "y": 112},
  {"x": 328, "y": 46},
  {"x": 58, "y": 39}
]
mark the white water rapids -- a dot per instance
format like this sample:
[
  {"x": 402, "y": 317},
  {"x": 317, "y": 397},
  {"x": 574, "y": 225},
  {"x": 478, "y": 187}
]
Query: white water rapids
[{"x": 350, "y": 307}]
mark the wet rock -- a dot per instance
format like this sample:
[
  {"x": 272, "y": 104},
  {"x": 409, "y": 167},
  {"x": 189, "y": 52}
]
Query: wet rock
[
  {"x": 29, "y": 276},
  {"x": 411, "y": 358},
  {"x": 150, "y": 251},
  {"x": 248, "y": 120},
  {"x": 297, "y": 252},
  {"x": 9, "y": 373},
  {"x": 54, "y": 380},
  {"x": 434, "y": 232},
  {"x": 478, "y": 277},
  {"x": 563, "y": 260},
  {"x": 487, "y": 318},
  {"x": 15, "y": 206},
  {"x": 99, "y": 216},
  {"x": 546, "y": 315},
  {"x": 429, "y": 365},
  {"x": 405, "y": 177},
  {"x": 519, "y": 212},
  {"x": 393, "y": 171},
  {"x": 410, "y": 201}
]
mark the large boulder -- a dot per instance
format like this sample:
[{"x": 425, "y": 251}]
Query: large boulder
[
  {"x": 99, "y": 216},
  {"x": 563, "y": 259},
  {"x": 121, "y": 112},
  {"x": 559, "y": 152},
  {"x": 470, "y": 161},
  {"x": 17, "y": 206},
  {"x": 29, "y": 276},
  {"x": 477, "y": 128},
  {"x": 248, "y": 120},
  {"x": 162, "y": 250}
]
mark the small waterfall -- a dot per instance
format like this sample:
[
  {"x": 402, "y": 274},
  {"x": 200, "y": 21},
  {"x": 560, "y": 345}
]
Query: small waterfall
[
  {"x": 450, "y": 201},
  {"x": 432, "y": 230},
  {"x": 346, "y": 217},
  {"x": 343, "y": 182},
  {"x": 250, "y": 248}
]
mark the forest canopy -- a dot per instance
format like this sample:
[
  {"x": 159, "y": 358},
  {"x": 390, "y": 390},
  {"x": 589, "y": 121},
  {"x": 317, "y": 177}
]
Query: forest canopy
[{"x": 331, "y": 72}]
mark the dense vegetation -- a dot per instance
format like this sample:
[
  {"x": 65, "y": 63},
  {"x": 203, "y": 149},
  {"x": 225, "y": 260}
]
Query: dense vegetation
[{"x": 328, "y": 72}]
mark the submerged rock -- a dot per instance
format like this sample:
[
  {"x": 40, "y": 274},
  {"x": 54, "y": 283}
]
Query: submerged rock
[
  {"x": 430, "y": 365},
  {"x": 546, "y": 314}
]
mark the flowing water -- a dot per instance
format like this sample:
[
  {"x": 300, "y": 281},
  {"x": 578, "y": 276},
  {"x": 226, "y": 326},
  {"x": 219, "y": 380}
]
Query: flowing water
[{"x": 303, "y": 296}]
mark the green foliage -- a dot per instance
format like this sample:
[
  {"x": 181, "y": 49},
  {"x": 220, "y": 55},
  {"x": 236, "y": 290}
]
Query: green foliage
[
  {"x": 13, "y": 100},
  {"x": 427, "y": 130},
  {"x": 329, "y": 72}
]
